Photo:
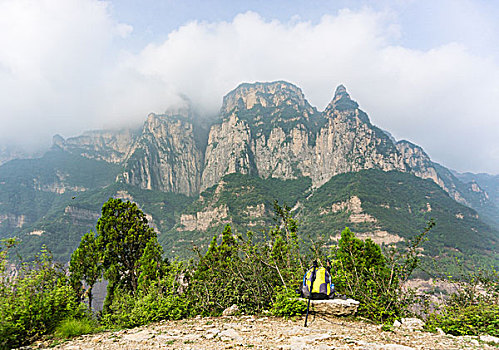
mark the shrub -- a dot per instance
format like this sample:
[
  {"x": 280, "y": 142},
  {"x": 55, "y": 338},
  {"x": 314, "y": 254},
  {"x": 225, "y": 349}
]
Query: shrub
[
  {"x": 73, "y": 327},
  {"x": 469, "y": 320},
  {"x": 472, "y": 309},
  {"x": 128, "y": 311},
  {"x": 154, "y": 301},
  {"x": 363, "y": 272},
  {"x": 35, "y": 302},
  {"x": 287, "y": 304},
  {"x": 245, "y": 272}
]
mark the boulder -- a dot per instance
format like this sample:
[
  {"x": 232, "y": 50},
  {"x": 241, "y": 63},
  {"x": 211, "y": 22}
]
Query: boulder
[
  {"x": 334, "y": 307},
  {"x": 489, "y": 339},
  {"x": 231, "y": 311},
  {"x": 412, "y": 324},
  {"x": 230, "y": 334}
]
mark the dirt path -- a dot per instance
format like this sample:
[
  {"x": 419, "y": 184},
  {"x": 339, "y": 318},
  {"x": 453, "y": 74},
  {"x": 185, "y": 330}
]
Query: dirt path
[{"x": 245, "y": 332}]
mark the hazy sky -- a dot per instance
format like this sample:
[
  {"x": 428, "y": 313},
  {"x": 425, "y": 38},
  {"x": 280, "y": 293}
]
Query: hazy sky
[{"x": 427, "y": 71}]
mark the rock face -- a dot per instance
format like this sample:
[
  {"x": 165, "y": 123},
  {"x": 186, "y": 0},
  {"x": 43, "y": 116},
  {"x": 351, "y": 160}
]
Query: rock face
[
  {"x": 13, "y": 220},
  {"x": 111, "y": 146},
  {"x": 263, "y": 129},
  {"x": 165, "y": 157},
  {"x": 421, "y": 165},
  {"x": 335, "y": 307},
  {"x": 13, "y": 152},
  {"x": 270, "y": 130}
]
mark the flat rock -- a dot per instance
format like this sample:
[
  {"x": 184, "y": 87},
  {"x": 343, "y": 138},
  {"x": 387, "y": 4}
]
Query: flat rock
[
  {"x": 367, "y": 345},
  {"x": 139, "y": 336},
  {"x": 274, "y": 333},
  {"x": 394, "y": 347},
  {"x": 412, "y": 324},
  {"x": 335, "y": 307},
  {"x": 230, "y": 334},
  {"x": 231, "y": 311},
  {"x": 489, "y": 339},
  {"x": 310, "y": 338}
]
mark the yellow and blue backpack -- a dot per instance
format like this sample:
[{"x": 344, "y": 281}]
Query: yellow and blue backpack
[{"x": 322, "y": 287}]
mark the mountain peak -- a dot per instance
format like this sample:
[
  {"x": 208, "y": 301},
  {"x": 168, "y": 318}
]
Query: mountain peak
[
  {"x": 341, "y": 91},
  {"x": 266, "y": 94},
  {"x": 341, "y": 100}
]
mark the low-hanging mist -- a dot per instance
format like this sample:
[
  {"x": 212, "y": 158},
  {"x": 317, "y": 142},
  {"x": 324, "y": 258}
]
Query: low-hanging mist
[{"x": 68, "y": 66}]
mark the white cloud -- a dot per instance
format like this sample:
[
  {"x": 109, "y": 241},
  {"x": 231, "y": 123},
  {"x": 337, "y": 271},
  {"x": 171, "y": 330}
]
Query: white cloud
[
  {"x": 53, "y": 56},
  {"x": 61, "y": 71},
  {"x": 445, "y": 99}
]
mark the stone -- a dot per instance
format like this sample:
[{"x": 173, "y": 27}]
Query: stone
[
  {"x": 412, "y": 324},
  {"x": 139, "y": 336},
  {"x": 367, "y": 345},
  {"x": 211, "y": 333},
  {"x": 397, "y": 324},
  {"x": 310, "y": 338},
  {"x": 231, "y": 311},
  {"x": 394, "y": 347},
  {"x": 308, "y": 342},
  {"x": 230, "y": 334},
  {"x": 489, "y": 339},
  {"x": 440, "y": 331},
  {"x": 335, "y": 307}
]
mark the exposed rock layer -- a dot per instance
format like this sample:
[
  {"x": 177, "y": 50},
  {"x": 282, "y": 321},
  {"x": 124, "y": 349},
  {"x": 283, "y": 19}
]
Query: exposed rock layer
[{"x": 264, "y": 129}]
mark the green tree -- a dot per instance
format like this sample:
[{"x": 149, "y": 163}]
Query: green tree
[
  {"x": 86, "y": 264},
  {"x": 123, "y": 234},
  {"x": 363, "y": 272},
  {"x": 215, "y": 283}
]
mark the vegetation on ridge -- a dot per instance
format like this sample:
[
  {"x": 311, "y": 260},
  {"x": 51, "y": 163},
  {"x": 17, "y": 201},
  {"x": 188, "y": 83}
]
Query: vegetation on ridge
[{"x": 236, "y": 269}]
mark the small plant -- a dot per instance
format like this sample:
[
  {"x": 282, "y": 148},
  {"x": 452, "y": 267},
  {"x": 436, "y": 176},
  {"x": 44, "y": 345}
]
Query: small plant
[
  {"x": 387, "y": 327},
  {"x": 471, "y": 320},
  {"x": 33, "y": 303},
  {"x": 287, "y": 304},
  {"x": 74, "y": 327},
  {"x": 473, "y": 309},
  {"x": 361, "y": 270}
]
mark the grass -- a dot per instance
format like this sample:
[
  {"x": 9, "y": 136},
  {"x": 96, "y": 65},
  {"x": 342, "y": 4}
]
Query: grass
[{"x": 72, "y": 328}]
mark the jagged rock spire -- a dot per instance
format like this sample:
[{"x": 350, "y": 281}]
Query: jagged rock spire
[
  {"x": 341, "y": 100},
  {"x": 341, "y": 92}
]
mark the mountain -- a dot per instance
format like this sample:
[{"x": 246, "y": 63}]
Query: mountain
[
  {"x": 192, "y": 174},
  {"x": 16, "y": 152},
  {"x": 490, "y": 183},
  {"x": 165, "y": 156}
]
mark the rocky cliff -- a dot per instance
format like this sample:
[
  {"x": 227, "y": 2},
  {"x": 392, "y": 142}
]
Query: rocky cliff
[
  {"x": 270, "y": 130},
  {"x": 267, "y": 143},
  {"x": 165, "y": 157},
  {"x": 111, "y": 146}
]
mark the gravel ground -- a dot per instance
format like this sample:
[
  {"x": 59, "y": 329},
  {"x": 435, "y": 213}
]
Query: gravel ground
[{"x": 244, "y": 332}]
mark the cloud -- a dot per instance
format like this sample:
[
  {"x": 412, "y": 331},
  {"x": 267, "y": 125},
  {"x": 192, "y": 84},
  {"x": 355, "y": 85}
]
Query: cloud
[
  {"x": 444, "y": 98},
  {"x": 65, "y": 67},
  {"x": 53, "y": 58}
]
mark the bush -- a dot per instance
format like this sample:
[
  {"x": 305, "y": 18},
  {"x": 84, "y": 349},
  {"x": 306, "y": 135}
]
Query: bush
[
  {"x": 72, "y": 327},
  {"x": 470, "y": 320},
  {"x": 244, "y": 272},
  {"x": 363, "y": 272},
  {"x": 472, "y": 309},
  {"x": 34, "y": 303},
  {"x": 154, "y": 301},
  {"x": 287, "y": 304},
  {"x": 127, "y": 311}
]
